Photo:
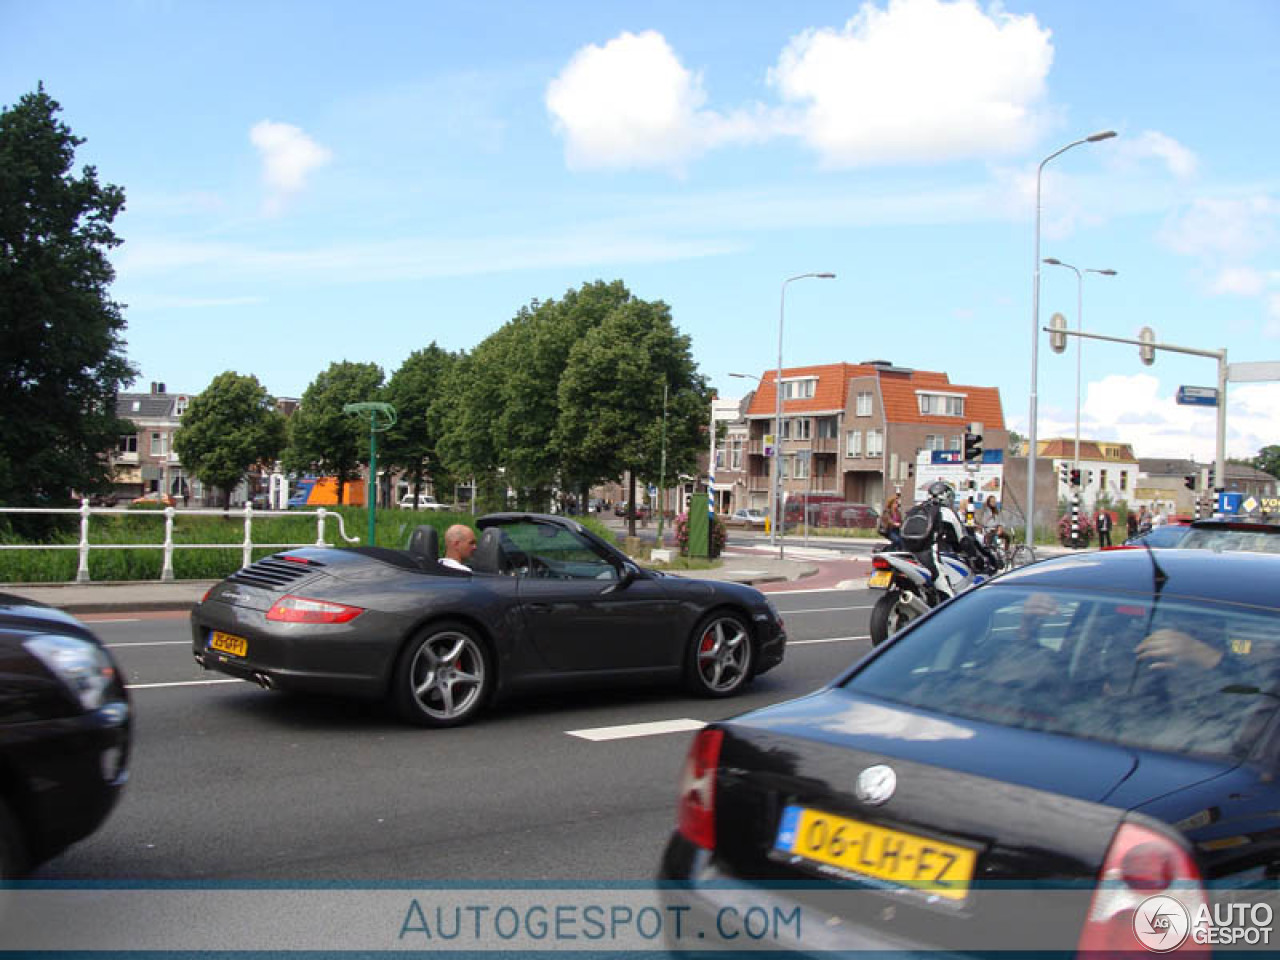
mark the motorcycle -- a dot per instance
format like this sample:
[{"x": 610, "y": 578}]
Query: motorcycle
[{"x": 911, "y": 587}]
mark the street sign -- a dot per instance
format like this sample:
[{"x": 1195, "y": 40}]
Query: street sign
[
  {"x": 1198, "y": 396},
  {"x": 1259, "y": 372},
  {"x": 1229, "y": 503}
]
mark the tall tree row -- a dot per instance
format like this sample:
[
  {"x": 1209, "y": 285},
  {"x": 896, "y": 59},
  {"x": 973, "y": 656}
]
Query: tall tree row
[{"x": 62, "y": 358}]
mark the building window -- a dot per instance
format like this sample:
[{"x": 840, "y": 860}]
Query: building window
[
  {"x": 853, "y": 443},
  {"x": 940, "y": 405},
  {"x": 875, "y": 443},
  {"x": 180, "y": 406},
  {"x": 934, "y": 441},
  {"x": 157, "y": 445},
  {"x": 796, "y": 428},
  {"x": 137, "y": 406},
  {"x": 129, "y": 444},
  {"x": 863, "y": 408},
  {"x": 719, "y": 458},
  {"x": 798, "y": 389},
  {"x": 1124, "y": 480},
  {"x": 956, "y": 443},
  {"x": 797, "y": 467},
  {"x": 1102, "y": 480},
  {"x": 828, "y": 428},
  {"x": 735, "y": 453}
]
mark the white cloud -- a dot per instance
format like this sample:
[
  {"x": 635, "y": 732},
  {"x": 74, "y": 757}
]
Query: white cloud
[
  {"x": 921, "y": 81},
  {"x": 1132, "y": 409},
  {"x": 288, "y": 158},
  {"x": 1224, "y": 227},
  {"x": 630, "y": 103},
  {"x": 1240, "y": 281},
  {"x": 1129, "y": 151}
]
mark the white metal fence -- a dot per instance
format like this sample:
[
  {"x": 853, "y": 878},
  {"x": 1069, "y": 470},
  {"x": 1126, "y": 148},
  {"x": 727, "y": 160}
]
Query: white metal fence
[{"x": 171, "y": 515}]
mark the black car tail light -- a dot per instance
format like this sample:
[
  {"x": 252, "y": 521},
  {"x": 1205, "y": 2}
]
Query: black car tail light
[
  {"x": 697, "y": 816},
  {"x": 291, "y": 609},
  {"x": 1140, "y": 866}
]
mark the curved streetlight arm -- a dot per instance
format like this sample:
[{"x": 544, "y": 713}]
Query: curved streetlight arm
[{"x": 1035, "y": 339}]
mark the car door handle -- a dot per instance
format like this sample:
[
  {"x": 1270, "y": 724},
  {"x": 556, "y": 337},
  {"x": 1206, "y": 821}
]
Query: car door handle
[{"x": 539, "y": 608}]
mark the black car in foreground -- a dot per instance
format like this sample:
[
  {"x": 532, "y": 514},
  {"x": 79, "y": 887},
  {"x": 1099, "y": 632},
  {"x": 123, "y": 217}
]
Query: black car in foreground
[
  {"x": 64, "y": 733},
  {"x": 1079, "y": 755},
  {"x": 547, "y": 604}
]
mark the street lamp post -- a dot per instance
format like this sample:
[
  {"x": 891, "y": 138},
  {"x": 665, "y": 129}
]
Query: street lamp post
[
  {"x": 1035, "y": 336},
  {"x": 1054, "y": 262},
  {"x": 775, "y": 494}
]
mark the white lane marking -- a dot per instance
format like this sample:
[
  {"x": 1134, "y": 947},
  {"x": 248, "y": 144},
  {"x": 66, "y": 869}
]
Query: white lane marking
[
  {"x": 626, "y": 730},
  {"x": 177, "y": 683},
  {"x": 801, "y": 643},
  {"x": 153, "y": 643},
  {"x": 788, "y": 613}
]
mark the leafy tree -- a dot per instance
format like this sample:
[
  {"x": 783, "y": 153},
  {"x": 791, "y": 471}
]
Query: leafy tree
[
  {"x": 412, "y": 444},
  {"x": 227, "y": 429},
  {"x": 62, "y": 356},
  {"x": 611, "y": 398},
  {"x": 1268, "y": 460},
  {"x": 323, "y": 439}
]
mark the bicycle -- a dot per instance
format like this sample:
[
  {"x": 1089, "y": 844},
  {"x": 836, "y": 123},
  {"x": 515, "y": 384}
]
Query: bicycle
[{"x": 1010, "y": 555}]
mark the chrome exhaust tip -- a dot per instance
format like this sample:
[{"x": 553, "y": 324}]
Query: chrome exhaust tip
[{"x": 264, "y": 681}]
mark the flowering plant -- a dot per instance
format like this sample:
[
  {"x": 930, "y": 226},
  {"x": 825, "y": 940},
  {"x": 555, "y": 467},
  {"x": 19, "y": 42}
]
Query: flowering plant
[
  {"x": 718, "y": 535},
  {"x": 1084, "y": 529}
]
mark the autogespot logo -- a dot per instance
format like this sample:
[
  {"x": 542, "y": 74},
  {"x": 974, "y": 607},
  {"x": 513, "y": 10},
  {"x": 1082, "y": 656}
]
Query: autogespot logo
[{"x": 1161, "y": 924}]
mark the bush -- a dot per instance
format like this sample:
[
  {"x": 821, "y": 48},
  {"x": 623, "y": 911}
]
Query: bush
[
  {"x": 1084, "y": 526},
  {"x": 718, "y": 535}
]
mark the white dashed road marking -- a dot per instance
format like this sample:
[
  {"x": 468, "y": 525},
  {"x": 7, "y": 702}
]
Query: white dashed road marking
[{"x": 627, "y": 730}]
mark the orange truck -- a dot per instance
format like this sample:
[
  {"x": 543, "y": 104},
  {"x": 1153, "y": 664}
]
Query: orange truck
[{"x": 323, "y": 492}]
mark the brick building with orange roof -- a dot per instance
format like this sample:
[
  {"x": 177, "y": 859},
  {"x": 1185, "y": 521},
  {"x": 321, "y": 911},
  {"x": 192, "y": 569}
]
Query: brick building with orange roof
[{"x": 853, "y": 430}]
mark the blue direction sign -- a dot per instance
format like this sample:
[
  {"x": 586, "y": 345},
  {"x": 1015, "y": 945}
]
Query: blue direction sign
[
  {"x": 1229, "y": 502},
  {"x": 1198, "y": 396}
]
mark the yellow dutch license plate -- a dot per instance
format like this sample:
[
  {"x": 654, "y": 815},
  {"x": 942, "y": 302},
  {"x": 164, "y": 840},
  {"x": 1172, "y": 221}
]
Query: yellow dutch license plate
[
  {"x": 226, "y": 643},
  {"x": 904, "y": 859},
  {"x": 881, "y": 578}
]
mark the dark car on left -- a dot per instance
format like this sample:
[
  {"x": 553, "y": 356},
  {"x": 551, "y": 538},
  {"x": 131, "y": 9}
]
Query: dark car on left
[
  {"x": 65, "y": 725},
  {"x": 547, "y": 603}
]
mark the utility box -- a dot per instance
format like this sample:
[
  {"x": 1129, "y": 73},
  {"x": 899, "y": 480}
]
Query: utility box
[{"x": 699, "y": 526}]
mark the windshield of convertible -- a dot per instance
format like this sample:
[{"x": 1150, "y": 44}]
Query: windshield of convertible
[
  {"x": 553, "y": 552},
  {"x": 1171, "y": 674}
]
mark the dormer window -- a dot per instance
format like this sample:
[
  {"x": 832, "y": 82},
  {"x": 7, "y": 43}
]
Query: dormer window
[
  {"x": 180, "y": 406},
  {"x": 137, "y": 405},
  {"x": 799, "y": 388},
  {"x": 941, "y": 404}
]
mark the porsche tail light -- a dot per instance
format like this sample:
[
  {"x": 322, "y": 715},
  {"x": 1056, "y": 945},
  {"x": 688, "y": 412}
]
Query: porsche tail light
[
  {"x": 880, "y": 563},
  {"x": 697, "y": 816},
  {"x": 1140, "y": 865},
  {"x": 291, "y": 609}
]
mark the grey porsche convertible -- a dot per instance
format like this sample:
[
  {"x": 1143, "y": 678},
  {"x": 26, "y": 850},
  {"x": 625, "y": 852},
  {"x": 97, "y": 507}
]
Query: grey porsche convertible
[{"x": 547, "y": 603}]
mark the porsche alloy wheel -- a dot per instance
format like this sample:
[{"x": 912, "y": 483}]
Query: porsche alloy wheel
[
  {"x": 444, "y": 676},
  {"x": 721, "y": 656}
]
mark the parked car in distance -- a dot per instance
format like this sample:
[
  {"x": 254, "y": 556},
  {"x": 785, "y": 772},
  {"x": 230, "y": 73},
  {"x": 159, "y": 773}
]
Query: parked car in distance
[
  {"x": 64, "y": 733},
  {"x": 643, "y": 511},
  {"x": 1158, "y": 538},
  {"x": 750, "y": 517},
  {"x": 424, "y": 502},
  {"x": 154, "y": 498},
  {"x": 103, "y": 500},
  {"x": 1097, "y": 731}
]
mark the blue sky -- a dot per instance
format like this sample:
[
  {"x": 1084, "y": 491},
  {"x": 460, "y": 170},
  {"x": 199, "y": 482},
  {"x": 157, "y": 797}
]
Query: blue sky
[{"x": 311, "y": 182}]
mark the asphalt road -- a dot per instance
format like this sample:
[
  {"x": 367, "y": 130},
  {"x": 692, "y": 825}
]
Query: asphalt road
[{"x": 233, "y": 783}]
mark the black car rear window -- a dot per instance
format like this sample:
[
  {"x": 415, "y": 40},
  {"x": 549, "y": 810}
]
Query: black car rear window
[{"x": 1168, "y": 674}]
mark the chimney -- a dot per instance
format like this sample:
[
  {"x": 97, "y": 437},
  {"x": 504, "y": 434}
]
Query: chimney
[
  {"x": 162, "y": 389},
  {"x": 153, "y": 386}
]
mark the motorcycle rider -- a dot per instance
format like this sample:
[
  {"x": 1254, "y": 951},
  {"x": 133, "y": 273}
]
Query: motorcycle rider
[{"x": 953, "y": 536}]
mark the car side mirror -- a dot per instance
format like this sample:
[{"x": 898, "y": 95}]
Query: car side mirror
[{"x": 627, "y": 575}]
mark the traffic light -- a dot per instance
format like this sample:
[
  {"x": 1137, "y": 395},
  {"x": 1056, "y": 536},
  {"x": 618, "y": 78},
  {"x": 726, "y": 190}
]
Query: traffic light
[
  {"x": 973, "y": 448},
  {"x": 1064, "y": 473},
  {"x": 1189, "y": 481},
  {"x": 1075, "y": 478}
]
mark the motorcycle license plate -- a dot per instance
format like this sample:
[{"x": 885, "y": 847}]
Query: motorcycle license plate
[{"x": 880, "y": 579}]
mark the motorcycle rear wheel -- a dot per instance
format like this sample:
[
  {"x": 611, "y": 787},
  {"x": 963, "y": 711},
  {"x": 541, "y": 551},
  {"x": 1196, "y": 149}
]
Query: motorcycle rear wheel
[{"x": 888, "y": 617}]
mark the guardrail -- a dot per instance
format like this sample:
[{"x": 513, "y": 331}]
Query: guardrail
[{"x": 170, "y": 514}]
